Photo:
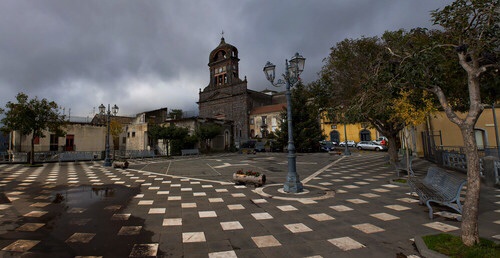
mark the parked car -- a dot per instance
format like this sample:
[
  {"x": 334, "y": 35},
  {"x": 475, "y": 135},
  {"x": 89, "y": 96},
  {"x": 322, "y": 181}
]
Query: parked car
[
  {"x": 380, "y": 139},
  {"x": 248, "y": 145},
  {"x": 260, "y": 147},
  {"x": 349, "y": 143},
  {"x": 369, "y": 145},
  {"x": 326, "y": 146}
]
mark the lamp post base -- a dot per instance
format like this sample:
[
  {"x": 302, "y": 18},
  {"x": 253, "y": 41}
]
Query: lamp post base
[
  {"x": 293, "y": 187},
  {"x": 107, "y": 163}
]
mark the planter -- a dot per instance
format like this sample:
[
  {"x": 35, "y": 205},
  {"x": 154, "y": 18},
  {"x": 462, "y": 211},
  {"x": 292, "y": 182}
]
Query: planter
[
  {"x": 244, "y": 179},
  {"x": 120, "y": 164}
]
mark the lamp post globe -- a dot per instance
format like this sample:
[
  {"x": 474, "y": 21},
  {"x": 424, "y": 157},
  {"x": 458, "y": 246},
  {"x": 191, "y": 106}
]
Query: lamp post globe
[{"x": 291, "y": 77}]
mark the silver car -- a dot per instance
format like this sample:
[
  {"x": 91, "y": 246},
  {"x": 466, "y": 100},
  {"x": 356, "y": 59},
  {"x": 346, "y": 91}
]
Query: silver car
[{"x": 368, "y": 145}]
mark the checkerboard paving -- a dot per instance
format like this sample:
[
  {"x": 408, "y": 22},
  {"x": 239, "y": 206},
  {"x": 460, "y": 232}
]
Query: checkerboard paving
[{"x": 185, "y": 216}]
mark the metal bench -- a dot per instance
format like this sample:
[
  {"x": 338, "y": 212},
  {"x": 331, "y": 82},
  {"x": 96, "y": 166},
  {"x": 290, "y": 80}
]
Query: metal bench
[
  {"x": 401, "y": 165},
  {"x": 185, "y": 152},
  {"x": 440, "y": 187}
]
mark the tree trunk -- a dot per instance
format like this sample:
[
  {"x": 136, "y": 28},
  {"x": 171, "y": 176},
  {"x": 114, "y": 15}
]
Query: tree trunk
[
  {"x": 32, "y": 153},
  {"x": 470, "y": 232},
  {"x": 393, "y": 148}
]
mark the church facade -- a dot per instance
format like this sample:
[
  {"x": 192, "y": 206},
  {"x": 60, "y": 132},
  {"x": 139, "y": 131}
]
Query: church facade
[{"x": 227, "y": 97}]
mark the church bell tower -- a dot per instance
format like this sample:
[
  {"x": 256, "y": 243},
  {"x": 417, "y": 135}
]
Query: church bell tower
[{"x": 223, "y": 65}]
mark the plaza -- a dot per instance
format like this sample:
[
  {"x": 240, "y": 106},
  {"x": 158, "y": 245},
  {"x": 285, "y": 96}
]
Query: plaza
[{"x": 189, "y": 207}]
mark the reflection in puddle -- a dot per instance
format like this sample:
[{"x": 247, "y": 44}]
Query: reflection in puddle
[{"x": 84, "y": 196}]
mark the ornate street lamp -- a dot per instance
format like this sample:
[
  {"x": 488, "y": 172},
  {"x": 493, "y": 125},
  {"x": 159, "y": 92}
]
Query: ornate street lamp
[
  {"x": 108, "y": 113},
  {"x": 293, "y": 69}
]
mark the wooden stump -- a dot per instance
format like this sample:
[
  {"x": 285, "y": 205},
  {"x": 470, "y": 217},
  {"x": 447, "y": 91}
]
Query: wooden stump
[
  {"x": 243, "y": 179},
  {"x": 120, "y": 164}
]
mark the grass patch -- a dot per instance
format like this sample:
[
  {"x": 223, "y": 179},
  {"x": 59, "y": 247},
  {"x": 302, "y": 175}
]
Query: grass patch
[
  {"x": 400, "y": 180},
  {"x": 452, "y": 246}
]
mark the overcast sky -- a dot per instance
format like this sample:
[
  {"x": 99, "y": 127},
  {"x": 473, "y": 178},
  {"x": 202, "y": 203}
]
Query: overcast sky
[{"x": 144, "y": 55}]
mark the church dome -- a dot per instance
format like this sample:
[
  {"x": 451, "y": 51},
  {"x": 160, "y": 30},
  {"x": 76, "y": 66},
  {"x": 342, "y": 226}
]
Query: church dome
[{"x": 222, "y": 52}]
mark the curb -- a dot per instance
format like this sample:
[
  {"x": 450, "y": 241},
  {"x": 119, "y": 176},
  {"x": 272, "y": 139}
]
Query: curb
[{"x": 426, "y": 252}]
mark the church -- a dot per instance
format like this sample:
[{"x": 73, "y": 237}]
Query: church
[{"x": 228, "y": 98}]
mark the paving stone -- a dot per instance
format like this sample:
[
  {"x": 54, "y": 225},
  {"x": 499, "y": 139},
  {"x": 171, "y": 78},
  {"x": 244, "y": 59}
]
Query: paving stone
[
  {"x": 21, "y": 246},
  {"x": 144, "y": 250},
  {"x": 441, "y": 226},
  {"x": 346, "y": 243},
  {"x": 80, "y": 238},
  {"x": 265, "y": 241},
  {"x": 192, "y": 237},
  {"x": 231, "y": 225},
  {"x": 129, "y": 230},
  {"x": 200, "y": 218},
  {"x": 297, "y": 228},
  {"x": 30, "y": 227}
]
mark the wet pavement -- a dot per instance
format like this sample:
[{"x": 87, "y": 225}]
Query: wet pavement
[{"x": 189, "y": 207}]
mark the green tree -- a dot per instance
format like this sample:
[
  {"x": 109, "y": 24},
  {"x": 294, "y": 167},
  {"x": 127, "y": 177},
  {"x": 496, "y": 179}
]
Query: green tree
[
  {"x": 175, "y": 113},
  {"x": 206, "y": 132},
  {"x": 115, "y": 129},
  {"x": 32, "y": 116},
  {"x": 359, "y": 79},
  {"x": 154, "y": 133},
  {"x": 470, "y": 40},
  {"x": 180, "y": 137},
  {"x": 305, "y": 118}
]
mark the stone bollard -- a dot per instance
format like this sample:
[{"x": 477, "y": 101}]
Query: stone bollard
[{"x": 490, "y": 173}]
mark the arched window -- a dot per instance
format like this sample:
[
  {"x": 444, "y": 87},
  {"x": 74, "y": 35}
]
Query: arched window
[
  {"x": 365, "y": 135},
  {"x": 335, "y": 136}
]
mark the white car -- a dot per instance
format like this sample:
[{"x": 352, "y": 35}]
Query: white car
[
  {"x": 368, "y": 145},
  {"x": 349, "y": 143}
]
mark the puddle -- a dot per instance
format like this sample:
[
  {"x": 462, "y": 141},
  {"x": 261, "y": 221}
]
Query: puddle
[{"x": 86, "y": 196}]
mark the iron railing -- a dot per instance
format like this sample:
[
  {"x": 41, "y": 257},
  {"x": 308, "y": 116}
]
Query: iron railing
[
  {"x": 454, "y": 157},
  {"x": 63, "y": 156}
]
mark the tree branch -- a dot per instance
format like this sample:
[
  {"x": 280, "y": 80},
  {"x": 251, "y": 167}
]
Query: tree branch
[{"x": 446, "y": 106}]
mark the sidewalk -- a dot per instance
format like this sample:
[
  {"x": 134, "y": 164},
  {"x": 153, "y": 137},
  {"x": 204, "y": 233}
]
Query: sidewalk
[{"x": 133, "y": 213}]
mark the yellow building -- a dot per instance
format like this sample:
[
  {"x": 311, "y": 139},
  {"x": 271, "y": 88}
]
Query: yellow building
[
  {"x": 440, "y": 132},
  {"x": 355, "y": 132}
]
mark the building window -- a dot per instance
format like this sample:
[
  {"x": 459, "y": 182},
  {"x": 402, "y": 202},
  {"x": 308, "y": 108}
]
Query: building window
[
  {"x": 251, "y": 121},
  {"x": 225, "y": 78},
  {"x": 365, "y": 135},
  {"x": 124, "y": 140},
  {"x": 54, "y": 142},
  {"x": 264, "y": 120},
  {"x": 133, "y": 134},
  {"x": 335, "y": 136},
  {"x": 480, "y": 138},
  {"x": 70, "y": 142}
]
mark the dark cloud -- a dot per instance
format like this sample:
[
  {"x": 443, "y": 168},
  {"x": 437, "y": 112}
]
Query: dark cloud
[{"x": 145, "y": 55}]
